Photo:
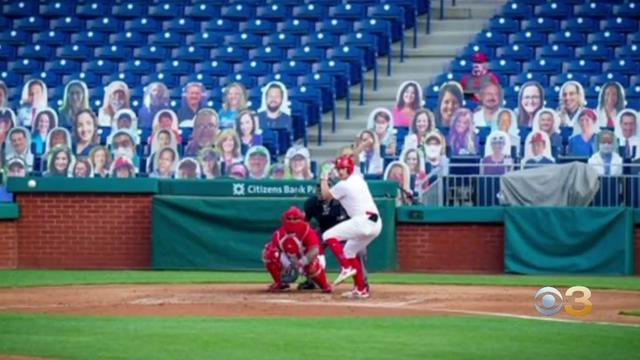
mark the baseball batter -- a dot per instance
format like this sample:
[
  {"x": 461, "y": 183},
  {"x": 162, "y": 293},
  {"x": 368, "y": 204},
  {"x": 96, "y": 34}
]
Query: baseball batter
[
  {"x": 296, "y": 244},
  {"x": 363, "y": 226}
]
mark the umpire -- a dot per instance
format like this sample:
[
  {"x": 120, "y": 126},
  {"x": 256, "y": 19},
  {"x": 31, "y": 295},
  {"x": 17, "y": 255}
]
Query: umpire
[{"x": 326, "y": 214}]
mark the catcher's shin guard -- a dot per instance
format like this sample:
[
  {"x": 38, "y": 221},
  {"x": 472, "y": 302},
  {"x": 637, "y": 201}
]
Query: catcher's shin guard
[
  {"x": 338, "y": 251},
  {"x": 315, "y": 272},
  {"x": 271, "y": 259}
]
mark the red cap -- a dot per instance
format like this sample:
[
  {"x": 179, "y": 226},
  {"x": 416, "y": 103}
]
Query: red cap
[
  {"x": 122, "y": 162},
  {"x": 479, "y": 57},
  {"x": 590, "y": 113},
  {"x": 537, "y": 137}
]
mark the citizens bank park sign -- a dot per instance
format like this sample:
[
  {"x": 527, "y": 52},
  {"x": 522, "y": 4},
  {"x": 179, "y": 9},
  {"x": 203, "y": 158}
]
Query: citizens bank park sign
[{"x": 249, "y": 189}]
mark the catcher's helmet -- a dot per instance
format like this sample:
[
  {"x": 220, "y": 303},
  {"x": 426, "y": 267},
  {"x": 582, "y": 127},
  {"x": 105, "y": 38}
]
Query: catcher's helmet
[
  {"x": 345, "y": 162},
  {"x": 293, "y": 219}
]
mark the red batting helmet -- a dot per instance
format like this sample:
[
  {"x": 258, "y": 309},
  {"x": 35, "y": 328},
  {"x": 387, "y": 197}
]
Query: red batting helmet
[{"x": 345, "y": 162}]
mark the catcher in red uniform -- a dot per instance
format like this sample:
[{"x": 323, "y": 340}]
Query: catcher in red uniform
[{"x": 295, "y": 245}]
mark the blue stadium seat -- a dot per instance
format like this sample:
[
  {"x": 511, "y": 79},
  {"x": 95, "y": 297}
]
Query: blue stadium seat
[
  {"x": 544, "y": 66},
  {"x": 568, "y": 38},
  {"x": 238, "y": 12},
  {"x": 99, "y": 67},
  {"x": 190, "y": 53},
  {"x": 607, "y": 38},
  {"x": 35, "y": 51},
  {"x": 90, "y": 38},
  {"x": 528, "y": 38},
  {"x": 559, "y": 79},
  {"x": 209, "y": 81},
  {"x": 49, "y": 78},
  {"x": 472, "y": 48},
  {"x": 7, "y": 52},
  {"x": 95, "y": 9},
  {"x": 505, "y": 67},
  {"x": 175, "y": 67},
  {"x": 306, "y": 54},
  {"x": 554, "y": 10},
  {"x": 229, "y": 54},
  {"x": 335, "y": 26},
  {"x": 619, "y": 24},
  {"x": 167, "y": 39},
  {"x": 75, "y": 52},
  {"x": 622, "y": 66},
  {"x": 25, "y": 66},
  {"x": 594, "y": 52},
  {"x": 520, "y": 79},
  {"x": 258, "y": 26},
  {"x": 243, "y": 40},
  {"x": 138, "y": 67},
  {"x": 561, "y": 52},
  {"x": 51, "y": 38},
  {"x": 128, "y": 38},
  {"x": 516, "y": 52},
  {"x": 202, "y": 10},
  {"x": 341, "y": 75},
  {"x": 247, "y": 80},
  {"x": 252, "y": 67},
  {"x": 166, "y": 10},
  {"x": 368, "y": 44},
  {"x": 57, "y": 9},
  {"x": 67, "y": 24},
  {"x": 207, "y": 40},
  {"x": 143, "y": 25},
  {"x": 311, "y": 12},
  {"x": 288, "y": 80},
  {"x": 296, "y": 27},
  {"x": 579, "y": 24},
  {"x": 631, "y": 52},
  {"x": 440, "y": 79},
  {"x": 627, "y": 9},
  {"x": 348, "y": 11},
  {"x": 594, "y": 10},
  {"x": 14, "y": 37},
  {"x": 129, "y": 10},
  {"x": 326, "y": 84},
  {"x": 105, "y": 24},
  {"x": 583, "y": 66},
  {"x": 601, "y": 79},
  {"x": 31, "y": 24},
  {"x": 214, "y": 67},
  {"x": 514, "y": 10},
  {"x": 168, "y": 79},
  {"x": 274, "y": 12},
  {"x": 292, "y": 68},
  {"x": 151, "y": 53},
  {"x": 380, "y": 28},
  {"x": 395, "y": 15},
  {"x": 320, "y": 40},
  {"x": 282, "y": 40},
  {"x": 633, "y": 38},
  {"x": 504, "y": 25},
  {"x": 11, "y": 79},
  {"x": 491, "y": 39},
  {"x": 20, "y": 9},
  {"x": 355, "y": 58},
  {"x": 182, "y": 25},
  {"x": 541, "y": 24},
  {"x": 268, "y": 54},
  {"x": 460, "y": 66},
  {"x": 313, "y": 98}
]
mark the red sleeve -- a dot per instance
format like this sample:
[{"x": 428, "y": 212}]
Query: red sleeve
[
  {"x": 311, "y": 239},
  {"x": 275, "y": 238},
  {"x": 463, "y": 81},
  {"x": 494, "y": 78}
]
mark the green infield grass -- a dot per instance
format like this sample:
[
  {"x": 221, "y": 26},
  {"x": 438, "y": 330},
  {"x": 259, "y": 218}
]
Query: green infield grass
[
  {"x": 30, "y": 278},
  {"x": 630, "y": 312},
  {"x": 433, "y": 337}
]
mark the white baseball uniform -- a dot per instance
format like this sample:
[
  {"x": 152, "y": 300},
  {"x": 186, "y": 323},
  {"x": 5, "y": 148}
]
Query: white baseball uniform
[{"x": 354, "y": 195}]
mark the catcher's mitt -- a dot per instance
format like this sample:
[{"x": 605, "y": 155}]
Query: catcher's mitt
[{"x": 290, "y": 275}]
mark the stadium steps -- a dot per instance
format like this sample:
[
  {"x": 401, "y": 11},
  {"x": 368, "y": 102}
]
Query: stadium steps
[{"x": 422, "y": 64}]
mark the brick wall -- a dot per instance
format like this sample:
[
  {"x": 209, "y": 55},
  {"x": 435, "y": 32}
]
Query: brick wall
[
  {"x": 451, "y": 248},
  {"x": 8, "y": 244},
  {"x": 84, "y": 231}
]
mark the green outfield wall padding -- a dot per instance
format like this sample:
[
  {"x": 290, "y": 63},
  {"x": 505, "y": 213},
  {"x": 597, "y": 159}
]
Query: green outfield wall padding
[
  {"x": 259, "y": 188},
  {"x": 82, "y": 185},
  {"x": 9, "y": 211},
  {"x": 449, "y": 215},
  {"x": 194, "y": 232},
  {"x": 569, "y": 240}
]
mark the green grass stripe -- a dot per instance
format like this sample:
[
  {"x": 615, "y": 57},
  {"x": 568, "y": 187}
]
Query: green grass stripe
[
  {"x": 30, "y": 278},
  {"x": 630, "y": 312},
  {"x": 437, "y": 337}
]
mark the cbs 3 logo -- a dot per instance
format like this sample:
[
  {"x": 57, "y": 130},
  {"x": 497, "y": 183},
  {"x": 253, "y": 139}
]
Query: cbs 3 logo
[{"x": 549, "y": 301}]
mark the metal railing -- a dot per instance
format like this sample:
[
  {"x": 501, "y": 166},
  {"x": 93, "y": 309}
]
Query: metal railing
[{"x": 455, "y": 188}]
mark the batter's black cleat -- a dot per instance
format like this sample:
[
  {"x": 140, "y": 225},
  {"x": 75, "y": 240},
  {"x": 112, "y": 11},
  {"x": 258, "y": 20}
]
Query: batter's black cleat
[{"x": 307, "y": 285}]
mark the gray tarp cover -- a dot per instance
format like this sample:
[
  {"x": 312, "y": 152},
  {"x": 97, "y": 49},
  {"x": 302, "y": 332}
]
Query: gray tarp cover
[{"x": 573, "y": 184}]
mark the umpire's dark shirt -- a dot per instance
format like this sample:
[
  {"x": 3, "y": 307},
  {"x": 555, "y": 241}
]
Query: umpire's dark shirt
[{"x": 326, "y": 214}]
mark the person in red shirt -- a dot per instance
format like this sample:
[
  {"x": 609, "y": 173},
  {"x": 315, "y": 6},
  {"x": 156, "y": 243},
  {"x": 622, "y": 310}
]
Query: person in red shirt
[
  {"x": 480, "y": 75},
  {"x": 295, "y": 244}
]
